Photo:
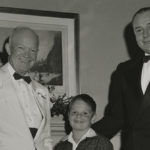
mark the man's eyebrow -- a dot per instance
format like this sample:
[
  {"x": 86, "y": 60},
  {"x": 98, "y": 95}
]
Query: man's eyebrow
[{"x": 137, "y": 27}]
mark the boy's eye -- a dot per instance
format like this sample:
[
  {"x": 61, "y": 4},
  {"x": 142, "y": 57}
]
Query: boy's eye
[
  {"x": 85, "y": 114},
  {"x": 82, "y": 114},
  {"x": 74, "y": 112}
]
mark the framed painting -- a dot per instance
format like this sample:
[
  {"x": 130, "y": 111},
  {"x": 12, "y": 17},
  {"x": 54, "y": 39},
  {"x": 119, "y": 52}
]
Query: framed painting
[{"x": 57, "y": 65}]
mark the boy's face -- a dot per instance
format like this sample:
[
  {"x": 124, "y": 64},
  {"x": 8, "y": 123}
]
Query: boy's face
[{"x": 80, "y": 115}]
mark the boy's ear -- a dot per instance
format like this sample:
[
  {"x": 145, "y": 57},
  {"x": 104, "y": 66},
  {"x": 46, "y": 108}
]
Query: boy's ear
[
  {"x": 7, "y": 48},
  {"x": 94, "y": 118}
]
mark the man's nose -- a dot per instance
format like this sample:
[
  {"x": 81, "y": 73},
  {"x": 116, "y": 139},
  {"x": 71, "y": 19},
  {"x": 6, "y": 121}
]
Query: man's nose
[
  {"x": 146, "y": 32},
  {"x": 27, "y": 52}
]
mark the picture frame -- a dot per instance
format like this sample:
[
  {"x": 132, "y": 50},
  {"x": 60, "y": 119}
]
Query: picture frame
[{"x": 58, "y": 57}]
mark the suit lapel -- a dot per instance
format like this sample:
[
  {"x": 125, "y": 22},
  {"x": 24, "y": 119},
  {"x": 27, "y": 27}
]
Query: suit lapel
[
  {"x": 38, "y": 97},
  {"x": 133, "y": 88},
  {"x": 134, "y": 77},
  {"x": 146, "y": 98},
  {"x": 41, "y": 104},
  {"x": 142, "y": 100}
]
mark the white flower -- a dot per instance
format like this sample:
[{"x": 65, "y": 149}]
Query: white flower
[{"x": 41, "y": 92}]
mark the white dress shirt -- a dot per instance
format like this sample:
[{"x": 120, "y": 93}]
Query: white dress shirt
[
  {"x": 145, "y": 77},
  {"x": 27, "y": 101}
]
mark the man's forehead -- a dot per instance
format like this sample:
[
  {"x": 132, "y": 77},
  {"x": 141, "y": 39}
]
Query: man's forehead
[{"x": 142, "y": 18}]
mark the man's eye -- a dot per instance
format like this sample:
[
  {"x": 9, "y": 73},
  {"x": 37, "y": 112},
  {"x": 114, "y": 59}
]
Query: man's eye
[
  {"x": 20, "y": 47},
  {"x": 139, "y": 30},
  {"x": 33, "y": 50}
]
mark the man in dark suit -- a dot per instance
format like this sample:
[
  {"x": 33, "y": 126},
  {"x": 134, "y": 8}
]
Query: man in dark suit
[{"x": 129, "y": 106}]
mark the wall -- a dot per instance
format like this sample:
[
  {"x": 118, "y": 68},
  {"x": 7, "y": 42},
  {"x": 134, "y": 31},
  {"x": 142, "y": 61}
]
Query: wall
[{"x": 102, "y": 43}]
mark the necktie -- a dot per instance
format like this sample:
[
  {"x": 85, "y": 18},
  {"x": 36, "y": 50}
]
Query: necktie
[
  {"x": 146, "y": 58},
  {"x": 25, "y": 78}
]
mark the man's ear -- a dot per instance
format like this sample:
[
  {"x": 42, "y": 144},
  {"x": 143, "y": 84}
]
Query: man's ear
[
  {"x": 93, "y": 118},
  {"x": 7, "y": 47}
]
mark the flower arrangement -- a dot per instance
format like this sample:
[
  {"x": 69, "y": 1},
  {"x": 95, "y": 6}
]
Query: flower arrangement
[{"x": 59, "y": 103}]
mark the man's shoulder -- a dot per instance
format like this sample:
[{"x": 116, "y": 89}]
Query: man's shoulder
[
  {"x": 4, "y": 72},
  {"x": 37, "y": 84},
  {"x": 38, "y": 87},
  {"x": 4, "y": 69},
  {"x": 129, "y": 64},
  {"x": 4, "y": 75}
]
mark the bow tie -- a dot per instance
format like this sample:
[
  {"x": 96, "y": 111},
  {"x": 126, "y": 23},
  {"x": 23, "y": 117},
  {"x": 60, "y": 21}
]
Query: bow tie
[
  {"x": 146, "y": 58},
  {"x": 25, "y": 78}
]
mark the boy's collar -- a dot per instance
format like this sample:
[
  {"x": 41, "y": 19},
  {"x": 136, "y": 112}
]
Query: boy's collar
[{"x": 89, "y": 133}]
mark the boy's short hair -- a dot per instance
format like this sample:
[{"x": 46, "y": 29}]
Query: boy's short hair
[{"x": 86, "y": 98}]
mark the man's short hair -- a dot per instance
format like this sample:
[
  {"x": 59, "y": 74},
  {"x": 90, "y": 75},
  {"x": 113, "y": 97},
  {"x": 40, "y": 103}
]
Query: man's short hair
[
  {"x": 140, "y": 11},
  {"x": 21, "y": 29}
]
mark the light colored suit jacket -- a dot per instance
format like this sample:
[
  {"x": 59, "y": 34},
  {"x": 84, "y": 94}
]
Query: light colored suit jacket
[{"x": 14, "y": 132}]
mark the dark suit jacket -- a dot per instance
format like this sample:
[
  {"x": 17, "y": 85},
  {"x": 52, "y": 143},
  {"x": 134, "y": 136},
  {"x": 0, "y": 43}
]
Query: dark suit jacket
[{"x": 128, "y": 109}]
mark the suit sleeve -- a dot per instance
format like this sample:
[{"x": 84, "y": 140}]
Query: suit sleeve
[{"x": 112, "y": 121}]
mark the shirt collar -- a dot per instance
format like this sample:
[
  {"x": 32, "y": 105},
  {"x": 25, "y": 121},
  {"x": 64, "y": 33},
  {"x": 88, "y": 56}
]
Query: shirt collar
[
  {"x": 89, "y": 133},
  {"x": 12, "y": 71},
  {"x": 146, "y": 54}
]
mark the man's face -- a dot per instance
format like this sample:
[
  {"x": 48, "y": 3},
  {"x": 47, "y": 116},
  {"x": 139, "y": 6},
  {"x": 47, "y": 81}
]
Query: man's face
[
  {"x": 141, "y": 27},
  {"x": 23, "y": 51}
]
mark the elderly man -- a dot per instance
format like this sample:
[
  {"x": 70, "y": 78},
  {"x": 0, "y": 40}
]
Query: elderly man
[{"x": 24, "y": 103}]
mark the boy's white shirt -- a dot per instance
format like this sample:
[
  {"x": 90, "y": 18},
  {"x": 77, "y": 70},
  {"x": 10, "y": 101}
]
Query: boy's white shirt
[{"x": 89, "y": 133}]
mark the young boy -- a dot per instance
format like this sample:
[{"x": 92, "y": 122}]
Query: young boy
[{"x": 81, "y": 115}]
